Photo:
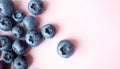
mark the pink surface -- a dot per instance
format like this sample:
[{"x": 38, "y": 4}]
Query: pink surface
[{"x": 93, "y": 26}]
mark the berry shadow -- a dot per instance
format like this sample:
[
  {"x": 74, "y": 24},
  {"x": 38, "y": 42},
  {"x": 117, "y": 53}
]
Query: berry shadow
[
  {"x": 75, "y": 42},
  {"x": 12, "y": 37},
  {"x": 8, "y": 66},
  {"x": 45, "y": 6},
  {"x": 16, "y": 3},
  {"x": 0, "y": 53},
  {"x": 25, "y": 30},
  {"x": 38, "y": 22},
  {"x": 57, "y": 27},
  {"x": 29, "y": 59},
  {"x": 0, "y": 15},
  {"x": 28, "y": 49}
]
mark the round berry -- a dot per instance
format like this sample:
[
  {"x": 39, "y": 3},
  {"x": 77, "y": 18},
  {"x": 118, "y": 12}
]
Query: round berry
[
  {"x": 19, "y": 47},
  {"x": 18, "y": 31},
  {"x": 8, "y": 56},
  {"x": 6, "y": 7},
  {"x": 48, "y": 31},
  {"x": 65, "y": 48},
  {"x": 5, "y": 42},
  {"x": 18, "y": 16},
  {"x": 6, "y": 23},
  {"x": 36, "y": 7},
  {"x": 33, "y": 38},
  {"x": 20, "y": 62},
  {"x": 30, "y": 23}
]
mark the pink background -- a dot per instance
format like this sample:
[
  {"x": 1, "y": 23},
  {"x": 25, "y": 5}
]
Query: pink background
[{"x": 93, "y": 26}]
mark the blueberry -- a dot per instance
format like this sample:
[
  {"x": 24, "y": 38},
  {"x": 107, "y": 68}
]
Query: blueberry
[
  {"x": 18, "y": 16},
  {"x": 19, "y": 47},
  {"x": 35, "y": 7},
  {"x": 65, "y": 48},
  {"x": 18, "y": 31},
  {"x": 6, "y": 23},
  {"x": 29, "y": 22},
  {"x": 6, "y": 7},
  {"x": 5, "y": 42},
  {"x": 8, "y": 56},
  {"x": 33, "y": 38},
  {"x": 48, "y": 31},
  {"x": 20, "y": 62}
]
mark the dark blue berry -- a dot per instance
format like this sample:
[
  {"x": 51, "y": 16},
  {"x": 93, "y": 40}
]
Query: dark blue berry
[
  {"x": 20, "y": 62},
  {"x": 48, "y": 31},
  {"x": 33, "y": 38},
  {"x": 5, "y": 42},
  {"x": 36, "y": 7},
  {"x": 19, "y": 47},
  {"x": 65, "y": 48},
  {"x": 8, "y": 56},
  {"x": 18, "y": 16},
  {"x": 6, "y": 23},
  {"x": 6, "y": 7},
  {"x": 18, "y": 31},
  {"x": 29, "y": 22}
]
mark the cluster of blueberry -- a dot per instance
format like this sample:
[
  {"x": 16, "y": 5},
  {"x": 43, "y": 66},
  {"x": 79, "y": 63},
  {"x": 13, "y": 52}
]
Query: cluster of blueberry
[{"x": 13, "y": 50}]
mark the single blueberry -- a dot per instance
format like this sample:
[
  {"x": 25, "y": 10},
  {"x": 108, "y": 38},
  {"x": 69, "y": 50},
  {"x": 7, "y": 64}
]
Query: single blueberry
[
  {"x": 8, "y": 56},
  {"x": 30, "y": 23},
  {"x": 5, "y": 42},
  {"x": 19, "y": 47},
  {"x": 35, "y": 7},
  {"x": 33, "y": 38},
  {"x": 48, "y": 31},
  {"x": 65, "y": 48},
  {"x": 18, "y": 31},
  {"x": 20, "y": 62},
  {"x": 18, "y": 16},
  {"x": 6, "y": 7},
  {"x": 6, "y": 23}
]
